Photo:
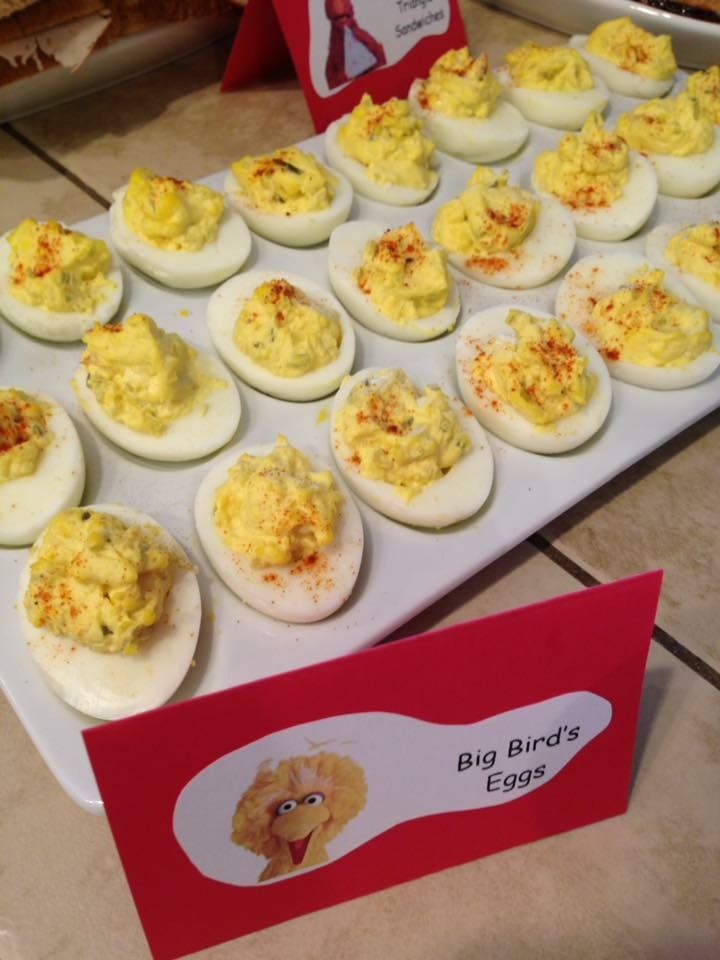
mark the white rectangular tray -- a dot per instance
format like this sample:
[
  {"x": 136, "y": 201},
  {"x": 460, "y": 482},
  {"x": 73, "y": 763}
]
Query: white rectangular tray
[{"x": 404, "y": 570}]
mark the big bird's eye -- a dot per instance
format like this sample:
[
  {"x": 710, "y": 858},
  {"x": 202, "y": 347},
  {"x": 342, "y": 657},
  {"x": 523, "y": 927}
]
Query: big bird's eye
[
  {"x": 313, "y": 799},
  {"x": 286, "y": 806}
]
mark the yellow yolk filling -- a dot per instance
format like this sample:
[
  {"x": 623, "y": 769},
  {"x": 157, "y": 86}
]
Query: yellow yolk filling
[
  {"x": 283, "y": 331},
  {"x": 632, "y": 48},
  {"x": 705, "y": 87},
  {"x": 142, "y": 376},
  {"x": 643, "y": 323},
  {"x": 172, "y": 214},
  {"x": 404, "y": 277},
  {"x": 489, "y": 217},
  {"x": 460, "y": 86},
  {"x": 24, "y": 433},
  {"x": 285, "y": 182},
  {"x": 386, "y": 138},
  {"x": 677, "y": 126},
  {"x": 275, "y": 509},
  {"x": 697, "y": 251},
  {"x": 540, "y": 374},
  {"x": 400, "y": 436},
  {"x": 588, "y": 169},
  {"x": 98, "y": 581},
  {"x": 549, "y": 68},
  {"x": 58, "y": 269}
]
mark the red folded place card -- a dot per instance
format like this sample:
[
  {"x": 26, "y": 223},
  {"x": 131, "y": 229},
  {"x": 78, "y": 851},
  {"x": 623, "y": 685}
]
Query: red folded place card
[
  {"x": 243, "y": 808},
  {"x": 344, "y": 48}
]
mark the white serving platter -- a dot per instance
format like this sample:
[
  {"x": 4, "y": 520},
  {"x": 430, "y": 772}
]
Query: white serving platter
[{"x": 404, "y": 570}]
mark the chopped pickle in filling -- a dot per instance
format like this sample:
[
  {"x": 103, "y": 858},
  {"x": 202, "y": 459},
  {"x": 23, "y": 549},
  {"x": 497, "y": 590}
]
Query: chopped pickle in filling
[
  {"x": 644, "y": 323},
  {"x": 541, "y": 375},
  {"x": 284, "y": 331},
  {"x": 588, "y": 169},
  {"x": 632, "y": 48},
  {"x": 697, "y": 251},
  {"x": 24, "y": 433},
  {"x": 144, "y": 377},
  {"x": 172, "y": 214},
  {"x": 98, "y": 581},
  {"x": 488, "y": 217},
  {"x": 461, "y": 86},
  {"x": 285, "y": 182},
  {"x": 404, "y": 277},
  {"x": 400, "y": 436},
  {"x": 675, "y": 126},
  {"x": 705, "y": 87},
  {"x": 276, "y": 509},
  {"x": 387, "y": 139},
  {"x": 549, "y": 68},
  {"x": 57, "y": 269}
]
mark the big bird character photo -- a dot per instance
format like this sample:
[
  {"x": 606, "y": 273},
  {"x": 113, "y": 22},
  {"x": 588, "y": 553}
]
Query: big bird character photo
[{"x": 293, "y": 810}]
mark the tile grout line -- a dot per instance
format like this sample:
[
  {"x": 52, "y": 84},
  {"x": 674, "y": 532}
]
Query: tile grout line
[
  {"x": 660, "y": 636},
  {"x": 56, "y": 165}
]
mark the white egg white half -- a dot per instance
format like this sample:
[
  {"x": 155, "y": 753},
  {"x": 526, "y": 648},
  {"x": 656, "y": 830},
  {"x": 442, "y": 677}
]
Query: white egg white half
[
  {"x": 489, "y": 326},
  {"x": 624, "y": 216},
  {"x": 618, "y": 79},
  {"x": 200, "y": 432},
  {"x": 28, "y": 504},
  {"x": 564, "y": 110},
  {"x": 601, "y": 275},
  {"x": 60, "y": 327},
  {"x": 183, "y": 269},
  {"x": 705, "y": 293},
  {"x": 394, "y": 194},
  {"x": 478, "y": 141},
  {"x": 223, "y": 310},
  {"x": 111, "y": 685},
  {"x": 691, "y": 176},
  {"x": 539, "y": 258},
  {"x": 294, "y": 229},
  {"x": 459, "y": 494},
  {"x": 299, "y": 592},
  {"x": 345, "y": 253}
]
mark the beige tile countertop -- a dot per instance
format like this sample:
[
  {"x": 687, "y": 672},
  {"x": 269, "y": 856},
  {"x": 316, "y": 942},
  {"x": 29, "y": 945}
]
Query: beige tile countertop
[{"x": 644, "y": 885}]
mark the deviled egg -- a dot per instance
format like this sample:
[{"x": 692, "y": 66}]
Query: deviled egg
[
  {"x": 704, "y": 85},
  {"x": 154, "y": 395},
  {"x": 534, "y": 382},
  {"x": 417, "y": 456},
  {"x": 280, "y": 531},
  {"x": 180, "y": 233},
  {"x": 691, "y": 254},
  {"x": 460, "y": 106},
  {"x": 56, "y": 283},
  {"x": 282, "y": 334},
  {"x": 42, "y": 467},
  {"x": 381, "y": 149},
  {"x": 288, "y": 196},
  {"x": 646, "y": 325},
  {"x": 392, "y": 281}
]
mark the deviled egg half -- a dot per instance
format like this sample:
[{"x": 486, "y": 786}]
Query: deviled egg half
[
  {"x": 381, "y": 149},
  {"x": 645, "y": 324},
  {"x": 691, "y": 254},
  {"x": 180, "y": 233},
  {"x": 630, "y": 60},
  {"x": 154, "y": 395},
  {"x": 56, "y": 283},
  {"x": 460, "y": 107},
  {"x": 552, "y": 86},
  {"x": 530, "y": 380},
  {"x": 42, "y": 467},
  {"x": 504, "y": 235},
  {"x": 289, "y": 196},
  {"x": 393, "y": 281},
  {"x": 109, "y": 607},
  {"x": 282, "y": 334},
  {"x": 280, "y": 531},
  {"x": 415, "y": 455}
]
